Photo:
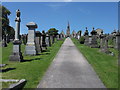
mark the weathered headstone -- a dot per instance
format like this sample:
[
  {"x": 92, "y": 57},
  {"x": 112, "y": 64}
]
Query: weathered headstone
[
  {"x": 118, "y": 40},
  {"x": 24, "y": 39},
  {"x": 48, "y": 42},
  {"x": 31, "y": 47},
  {"x": 86, "y": 34},
  {"x": 52, "y": 39},
  {"x": 38, "y": 42},
  {"x": 57, "y": 37},
  {"x": 17, "y": 55},
  {"x": 7, "y": 38},
  {"x": 44, "y": 46},
  {"x": 104, "y": 44},
  {"x": 86, "y": 40},
  {"x": 4, "y": 43},
  {"x": 94, "y": 43}
]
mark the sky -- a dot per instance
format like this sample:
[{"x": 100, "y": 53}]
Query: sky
[{"x": 46, "y": 15}]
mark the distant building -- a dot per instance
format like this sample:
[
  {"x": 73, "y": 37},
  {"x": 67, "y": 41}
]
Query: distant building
[
  {"x": 99, "y": 31},
  {"x": 68, "y": 30}
]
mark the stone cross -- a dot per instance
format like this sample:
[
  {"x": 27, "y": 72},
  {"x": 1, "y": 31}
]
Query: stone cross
[
  {"x": 17, "y": 55},
  {"x": 31, "y": 47}
]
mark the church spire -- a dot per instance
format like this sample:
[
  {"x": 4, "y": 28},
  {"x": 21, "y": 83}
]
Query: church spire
[{"x": 68, "y": 30}]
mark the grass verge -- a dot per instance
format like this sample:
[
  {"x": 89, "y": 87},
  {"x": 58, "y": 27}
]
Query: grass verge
[
  {"x": 106, "y": 66},
  {"x": 33, "y": 69}
]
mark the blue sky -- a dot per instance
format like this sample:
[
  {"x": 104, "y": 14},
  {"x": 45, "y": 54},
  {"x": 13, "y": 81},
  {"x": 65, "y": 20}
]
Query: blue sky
[{"x": 48, "y": 15}]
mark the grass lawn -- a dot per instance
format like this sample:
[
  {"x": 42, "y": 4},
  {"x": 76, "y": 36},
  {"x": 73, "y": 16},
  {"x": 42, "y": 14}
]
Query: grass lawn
[
  {"x": 106, "y": 66},
  {"x": 33, "y": 69}
]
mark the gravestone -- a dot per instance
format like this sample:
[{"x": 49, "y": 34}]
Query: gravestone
[
  {"x": 52, "y": 39},
  {"x": 44, "y": 46},
  {"x": 38, "y": 42},
  {"x": 102, "y": 41},
  {"x": 24, "y": 39},
  {"x": 104, "y": 44},
  {"x": 94, "y": 39},
  {"x": 4, "y": 43},
  {"x": 57, "y": 37},
  {"x": 47, "y": 40},
  {"x": 31, "y": 47},
  {"x": 114, "y": 42},
  {"x": 17, "y": 55},
  {"x": 86, "y": 34},
  {"x": 86, "y": 40},
  {"x": 7, "y": 38},
  {"x": 118, "y": 40},
  {"x": 90, "y": 40}
]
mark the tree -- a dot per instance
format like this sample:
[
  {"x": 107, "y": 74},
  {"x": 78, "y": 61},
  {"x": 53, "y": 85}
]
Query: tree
[
  {"x": 7, "y": 30},
  {"x": 5, "y": 19},
  {"x": 53, "y": 31}
]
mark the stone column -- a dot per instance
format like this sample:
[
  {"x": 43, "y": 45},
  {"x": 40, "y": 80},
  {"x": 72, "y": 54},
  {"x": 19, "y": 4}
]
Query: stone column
[
  {"x": 17, "y": 55},
  {"x": 31, "y": 47},
  {"x": 38, "y": 42}
]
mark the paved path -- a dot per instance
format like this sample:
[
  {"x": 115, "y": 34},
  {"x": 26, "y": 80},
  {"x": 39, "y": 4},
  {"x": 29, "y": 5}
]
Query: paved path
[{"x": 70, "y": 69}]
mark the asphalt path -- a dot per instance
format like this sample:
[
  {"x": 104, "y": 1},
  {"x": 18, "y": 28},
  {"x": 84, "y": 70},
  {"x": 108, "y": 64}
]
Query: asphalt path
[{"x": 70, "y": 69}]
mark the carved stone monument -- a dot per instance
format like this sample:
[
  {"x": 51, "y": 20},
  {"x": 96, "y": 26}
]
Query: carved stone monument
[
  {"x": 17, "y": 55},
  {"x": 31, "y": 47}
]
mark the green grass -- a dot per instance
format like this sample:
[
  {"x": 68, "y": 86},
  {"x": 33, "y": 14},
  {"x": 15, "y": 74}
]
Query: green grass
[
  {"x": 33, "y": 69},
  {"x": 105, "y": 65}
]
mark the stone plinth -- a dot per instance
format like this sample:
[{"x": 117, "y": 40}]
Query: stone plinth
[
  {"x": 16, "y": 55},
  {"x": 86, "y": 40},
  {"x": 31, "y": 47}
]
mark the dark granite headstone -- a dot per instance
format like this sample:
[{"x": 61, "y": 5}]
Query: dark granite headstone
[
  {"x": 44, "y": 46},
  {"x": 38, "y": 42}
]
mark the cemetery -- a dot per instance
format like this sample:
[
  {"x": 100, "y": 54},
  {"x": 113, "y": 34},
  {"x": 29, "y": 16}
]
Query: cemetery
[{"x": 57, "y": 59}]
